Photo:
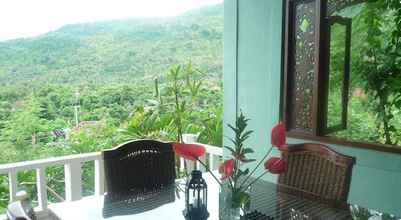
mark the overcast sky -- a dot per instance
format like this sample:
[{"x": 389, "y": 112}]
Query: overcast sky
[{"x": 26, "y": 18}]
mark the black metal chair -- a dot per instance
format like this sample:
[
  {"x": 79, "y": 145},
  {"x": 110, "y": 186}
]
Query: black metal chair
[{"x": 139, "y": 166}]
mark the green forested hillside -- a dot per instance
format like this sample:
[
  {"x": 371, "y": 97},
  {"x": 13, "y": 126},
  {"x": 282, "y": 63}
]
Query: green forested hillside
[
  {"x": 118, "y": 80},
  {"x": 126, "y": 50},
  {"x": 107, "y": 69}
]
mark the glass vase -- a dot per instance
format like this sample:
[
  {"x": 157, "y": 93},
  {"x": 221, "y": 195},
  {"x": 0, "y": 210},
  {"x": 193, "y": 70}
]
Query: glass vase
[{"x": 230, "y": 206}]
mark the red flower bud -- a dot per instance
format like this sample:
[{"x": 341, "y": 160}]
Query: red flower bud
[
  {"x": 189, "y": 151},
  {"x": 276, "y": 165},
  {"x": 278, "y": 135},
  {"x": 227, "y": 169}
]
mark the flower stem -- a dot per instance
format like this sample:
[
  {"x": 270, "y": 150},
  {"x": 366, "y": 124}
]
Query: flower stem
[
  {"x": 257, "y": 166},
  {"x": 207, "y": 168},
  {"x": 250, "y": 184}
]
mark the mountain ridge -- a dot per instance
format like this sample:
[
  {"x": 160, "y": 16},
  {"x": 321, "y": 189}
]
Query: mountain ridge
[{"x": 112, "y": 51}]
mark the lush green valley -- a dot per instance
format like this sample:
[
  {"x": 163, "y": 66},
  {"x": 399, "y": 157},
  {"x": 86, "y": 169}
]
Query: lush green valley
[
  {"x": 87, "y": 87},
  {"x": 115, "y": 51}
]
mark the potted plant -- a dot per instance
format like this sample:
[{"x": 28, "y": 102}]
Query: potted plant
[{"x": 236, "y": 179}]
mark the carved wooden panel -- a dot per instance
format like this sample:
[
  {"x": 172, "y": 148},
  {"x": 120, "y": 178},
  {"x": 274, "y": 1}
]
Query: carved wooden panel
[
  {"x": 337, "y": 5},
  {"x": 303, "y": 74}
]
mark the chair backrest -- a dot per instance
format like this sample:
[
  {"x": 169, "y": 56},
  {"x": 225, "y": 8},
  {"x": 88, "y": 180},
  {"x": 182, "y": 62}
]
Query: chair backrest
[
  {"x": 138, "y": 166},
  {"x": 317, "y": 172}
]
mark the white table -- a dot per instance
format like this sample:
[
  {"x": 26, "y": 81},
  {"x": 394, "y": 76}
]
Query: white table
[{"x": 156, "y": 207}]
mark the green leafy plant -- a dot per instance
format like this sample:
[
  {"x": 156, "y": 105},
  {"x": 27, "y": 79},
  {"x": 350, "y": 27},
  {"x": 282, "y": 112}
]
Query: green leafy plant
[
  {"x": 381, "y": 63},
  {"x": 183, "y": 88},
  {"x": 232, "y": 169}
]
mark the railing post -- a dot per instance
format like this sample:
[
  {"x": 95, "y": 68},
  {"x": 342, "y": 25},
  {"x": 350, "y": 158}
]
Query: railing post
[
  {"x": 12, "y": 183},
  {"x": 214, "y": 162},
  {"x": 99, "y": 177},
  {"x": 200, "y": 166},
  {"x": 73, "y": 181},
  {"x": 41, "y": 187}
]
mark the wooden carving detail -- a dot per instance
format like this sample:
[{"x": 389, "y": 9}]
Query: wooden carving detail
[
  {"x": 304, "y": 65},
  {"x": 334, "y": 6}
]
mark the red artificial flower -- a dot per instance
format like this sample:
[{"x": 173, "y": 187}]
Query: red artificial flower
[
  {"x": 278, "y": 138},
  {"x": 276, "y": 165},
  {"x": 189, "y": 151},
  {"x": 227, "y": 169}
]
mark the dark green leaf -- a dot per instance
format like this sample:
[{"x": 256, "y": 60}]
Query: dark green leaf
[
  {"x": 230, "y": 149},
  {"x": 248, "y": 160},
  {"x": 248, "y": 150}
]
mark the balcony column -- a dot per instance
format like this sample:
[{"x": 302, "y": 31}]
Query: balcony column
[
  {"x": 214, "y": 162},
  {"x": 12, "y": 183},
  {"x": 99, "y": 177},
  {"x": 41, "y": 187},
  {"x": 73, "y": 181}
]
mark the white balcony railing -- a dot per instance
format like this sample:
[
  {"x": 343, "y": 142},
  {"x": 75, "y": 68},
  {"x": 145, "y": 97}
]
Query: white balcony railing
[{"x": 72, "y": 171}]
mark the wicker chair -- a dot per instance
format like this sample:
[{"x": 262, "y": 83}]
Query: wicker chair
[
  {"x": 138, "y": 166},
  {"x": 317, "y": 172}
]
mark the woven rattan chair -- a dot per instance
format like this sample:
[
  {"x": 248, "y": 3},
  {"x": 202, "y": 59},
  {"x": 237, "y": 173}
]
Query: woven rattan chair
[
  {"x": 317, "y": 172},
  {"x": 138, "y": 166}
]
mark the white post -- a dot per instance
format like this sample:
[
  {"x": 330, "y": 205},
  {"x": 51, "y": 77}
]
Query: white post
[
  {"x": 99, "y": 177},
  {"x": 182, "y": 166},
  {"x": 73, "y": 181},
  {"x": 189, "y": 139},
  {"x": 12, "y": 183},
  {"x": 200, "y": 166},
  {"x": 214, "y": 162},
  {"x": 41, "y": 187}
]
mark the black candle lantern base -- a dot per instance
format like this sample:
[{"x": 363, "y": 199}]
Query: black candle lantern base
[
  {"x": 200, "y": 213},
  {"x": 196, "y": 198}
]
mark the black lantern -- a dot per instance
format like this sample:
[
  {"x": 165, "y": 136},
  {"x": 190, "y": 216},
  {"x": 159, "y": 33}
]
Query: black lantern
[{"x": 196, "y": 197}]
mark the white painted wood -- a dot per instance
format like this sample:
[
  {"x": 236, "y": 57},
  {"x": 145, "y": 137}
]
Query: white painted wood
[
  {"x": 72, "y": 168},
  {"x": 99, "y": 177},
  {"x": 191, "y": 165},
  {"x": 189, "y": 138},
  {"x": 218, "y": 151},
  {"x": 182, "y": 166},
  {"x": 73, "y": 181},
  {"x": 214, "y": 162},
  {"x": 31, "y": 165},
  {"x": 12, "y": 184},
  {"x": 41, "y": 188},
  {"x": 199, "y": 165}
]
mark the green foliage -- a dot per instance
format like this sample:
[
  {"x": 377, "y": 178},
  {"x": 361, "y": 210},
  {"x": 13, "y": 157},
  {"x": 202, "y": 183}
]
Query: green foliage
[
  {"x": 381, "y": 63},
  {"x": 148, "y": 123},
  {"x": 115, "y": 51},
  {"x": 239, "y": 153},
  {"x": 102, "y": 74},
  {"x": 373, "y": 115},
  {"x": 182, "y": 89},
  {"x": 213, "y": 127}
]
